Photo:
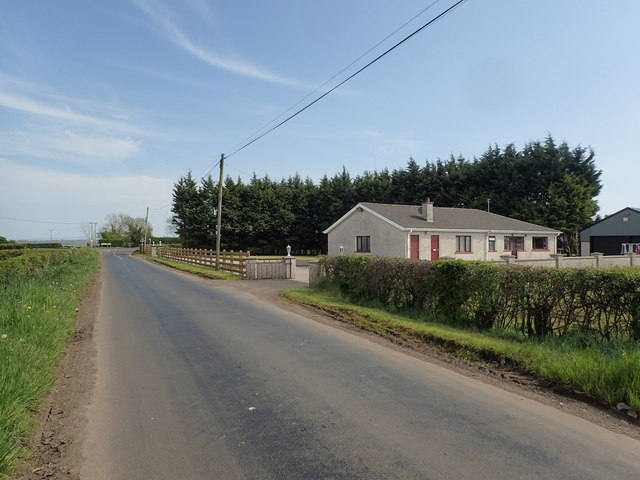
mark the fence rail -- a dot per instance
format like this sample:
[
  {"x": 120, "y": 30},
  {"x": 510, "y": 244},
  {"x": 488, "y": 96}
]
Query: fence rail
[
  {"x": 234, "y": 262},
  {"x": 240, "y": 263}
]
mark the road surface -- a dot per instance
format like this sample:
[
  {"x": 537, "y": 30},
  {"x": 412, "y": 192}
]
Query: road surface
[{"x": 197, "y": 380}]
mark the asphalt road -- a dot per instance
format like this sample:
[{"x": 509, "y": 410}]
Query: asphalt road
[{"x": 196, "y": 380}]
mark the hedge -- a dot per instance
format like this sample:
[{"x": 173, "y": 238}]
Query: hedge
[
  {"x": 30, "y": 262},
  {"x": 535, "y": 301},
  {"x": 22, "y": 246}
]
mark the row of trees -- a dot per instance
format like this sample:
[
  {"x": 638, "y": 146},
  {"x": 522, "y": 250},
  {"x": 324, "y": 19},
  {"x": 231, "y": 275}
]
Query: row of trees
[
  {"x": 121, "y": 229},
  {"x": 544, "y": 183}
]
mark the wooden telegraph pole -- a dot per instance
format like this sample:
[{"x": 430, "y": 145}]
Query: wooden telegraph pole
[
  {"x": 219, "y": 214},
  {"x": 146, "y": 228}
]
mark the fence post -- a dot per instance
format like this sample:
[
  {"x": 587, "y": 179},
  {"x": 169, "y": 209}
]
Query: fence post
[
  {"x": 290, "y": 266},
  {"x": 632, "y": 259},
  {"x": 315, "y": 273},
  {"x": 557, "y": 257},
  {"x": 251, "y": 268},
  {"x": 243, "y": 267},
  {"x": 508, "y": 258},
  {"x": 598, "y": 256}
]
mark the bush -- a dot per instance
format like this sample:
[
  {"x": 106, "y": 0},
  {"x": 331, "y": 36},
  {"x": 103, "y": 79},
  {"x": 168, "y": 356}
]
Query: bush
[
  {"x": 12, "y": 246},
  {"x": 29, "y": 263},
  {"x": 536, "y": 301}
]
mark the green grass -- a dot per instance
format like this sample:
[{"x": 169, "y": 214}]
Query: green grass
[
  {"x": 607, "y": 370},
  {"x": 36, "y": 320},
  {"x": 196, "y": 269}
]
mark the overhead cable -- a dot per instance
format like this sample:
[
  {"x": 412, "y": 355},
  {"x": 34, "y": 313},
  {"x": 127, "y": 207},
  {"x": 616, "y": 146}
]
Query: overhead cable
[
  {"x": 41, "y": 221},
  {"x": 298, "y": 112},
  {"x": 336, "y": 75}
]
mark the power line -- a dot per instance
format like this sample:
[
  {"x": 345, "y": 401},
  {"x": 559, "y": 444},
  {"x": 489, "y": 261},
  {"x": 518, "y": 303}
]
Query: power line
[
  {"x": 164, "y": 206},
  {"x": 336, "y": 75},
  {"x": 41, "y": 221},
  {"x": 210, "y": 170},
  {"x": 298, "y": 112}
]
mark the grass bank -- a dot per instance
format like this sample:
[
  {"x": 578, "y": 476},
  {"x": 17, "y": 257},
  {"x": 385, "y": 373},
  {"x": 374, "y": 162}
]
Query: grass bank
[
  {"x": 196, "y": 269},
  {"x": 607, "y": 370},
  {"x": 37, "y": 310}
]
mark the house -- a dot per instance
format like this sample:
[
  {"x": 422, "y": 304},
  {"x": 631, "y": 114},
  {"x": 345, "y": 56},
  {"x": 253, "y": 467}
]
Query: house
[
  {"x": 613, "y": 235},
  {"x": 430, "y": 233}
]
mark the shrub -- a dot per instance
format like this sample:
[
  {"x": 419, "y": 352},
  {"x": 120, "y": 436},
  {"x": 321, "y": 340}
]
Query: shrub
[{"x": 536, "y": 301}]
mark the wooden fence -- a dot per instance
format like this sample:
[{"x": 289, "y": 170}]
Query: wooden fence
[
  {"x": 234, "y": 262},
  {"x": 271, "y": 268}
]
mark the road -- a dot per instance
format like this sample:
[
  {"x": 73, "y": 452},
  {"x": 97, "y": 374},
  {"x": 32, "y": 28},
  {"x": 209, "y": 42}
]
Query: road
[{"x": 198, "y": 380}]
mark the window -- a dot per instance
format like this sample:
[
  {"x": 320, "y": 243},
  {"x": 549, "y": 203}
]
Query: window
[
  {"x": 513, "y": 243},
  {"x": 463, "y": 243},
  {"x": 540, "y": 243},
  {"x": 492, "y": 244},
  {"x": 363, "y": 244}
]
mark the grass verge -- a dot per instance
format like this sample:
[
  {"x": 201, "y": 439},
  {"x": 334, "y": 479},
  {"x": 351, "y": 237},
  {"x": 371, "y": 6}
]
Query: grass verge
[
  {"x": 196, "y": 269},
  {"x": 607, "y": 371},
  {"x": 36, "y": 319}
]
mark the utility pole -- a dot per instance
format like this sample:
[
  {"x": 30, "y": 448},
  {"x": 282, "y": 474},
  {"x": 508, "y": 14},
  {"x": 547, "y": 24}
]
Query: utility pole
[
  {"x": 219, "y": 214},
  {"x": 51, "y": 234},
  {"x": 146, "y": 229},
  {"x": 92, "y": 233}
]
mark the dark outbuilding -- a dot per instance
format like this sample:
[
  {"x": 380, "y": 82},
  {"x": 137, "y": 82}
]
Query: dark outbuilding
[{"x": 613, "y": 235}]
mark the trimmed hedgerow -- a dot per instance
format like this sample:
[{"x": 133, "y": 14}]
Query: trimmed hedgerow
[
  {"x": 535, "y": 301},
  {"x": 29, "y": 262}
]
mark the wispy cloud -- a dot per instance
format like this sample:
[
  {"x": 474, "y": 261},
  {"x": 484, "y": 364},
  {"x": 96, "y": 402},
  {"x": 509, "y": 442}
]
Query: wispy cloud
[
  {"x": 164, "y": 22},
  {"x": 69, "y": 146},
  {"x": 33, "y": 106},
  {"x": 202, "y": 9},
  {"x": 40, "y": 100},
  {"x": 70, "y": 130}
]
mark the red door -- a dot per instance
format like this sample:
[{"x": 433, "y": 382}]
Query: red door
[
  {"x": 415, "y": 246},
  {"x": 435, "y": 247}
]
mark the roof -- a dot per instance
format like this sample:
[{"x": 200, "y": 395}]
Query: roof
[
  {"x": 407, "y": 217},
  {"x": 606, "y": 226}
]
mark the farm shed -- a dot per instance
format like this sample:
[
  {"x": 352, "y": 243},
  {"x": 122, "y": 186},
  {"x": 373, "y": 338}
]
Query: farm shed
[{"x": 613, "y": 235}]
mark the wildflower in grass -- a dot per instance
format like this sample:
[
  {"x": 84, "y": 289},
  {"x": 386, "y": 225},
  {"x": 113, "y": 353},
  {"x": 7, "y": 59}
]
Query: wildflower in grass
[{"x": 3, "y": 337}]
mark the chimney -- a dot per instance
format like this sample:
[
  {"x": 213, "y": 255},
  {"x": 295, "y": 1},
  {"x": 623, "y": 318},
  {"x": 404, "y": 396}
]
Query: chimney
[{"x": 427, "y": 210}]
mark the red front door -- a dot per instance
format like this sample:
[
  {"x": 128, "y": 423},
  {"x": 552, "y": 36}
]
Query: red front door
[
  {"x": 415, "y": 246},
  {"x": 435, "y": 247}
]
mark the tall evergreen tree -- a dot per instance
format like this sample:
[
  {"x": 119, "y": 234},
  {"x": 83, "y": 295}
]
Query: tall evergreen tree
[
  {"x": 544, "y": 183},
  {"x": 193, "y": 217}
]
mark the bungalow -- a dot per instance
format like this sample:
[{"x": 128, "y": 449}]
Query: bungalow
[{"x": 430, "y": 233}]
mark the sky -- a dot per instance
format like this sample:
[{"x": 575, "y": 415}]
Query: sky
[{"x": 104, "y": 106}]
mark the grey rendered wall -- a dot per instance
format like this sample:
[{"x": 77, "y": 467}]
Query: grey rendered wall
[{"x": 386, "y": 240}]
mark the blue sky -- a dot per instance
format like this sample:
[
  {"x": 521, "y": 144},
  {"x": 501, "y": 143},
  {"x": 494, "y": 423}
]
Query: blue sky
[{"x": 105, "y": 105}]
